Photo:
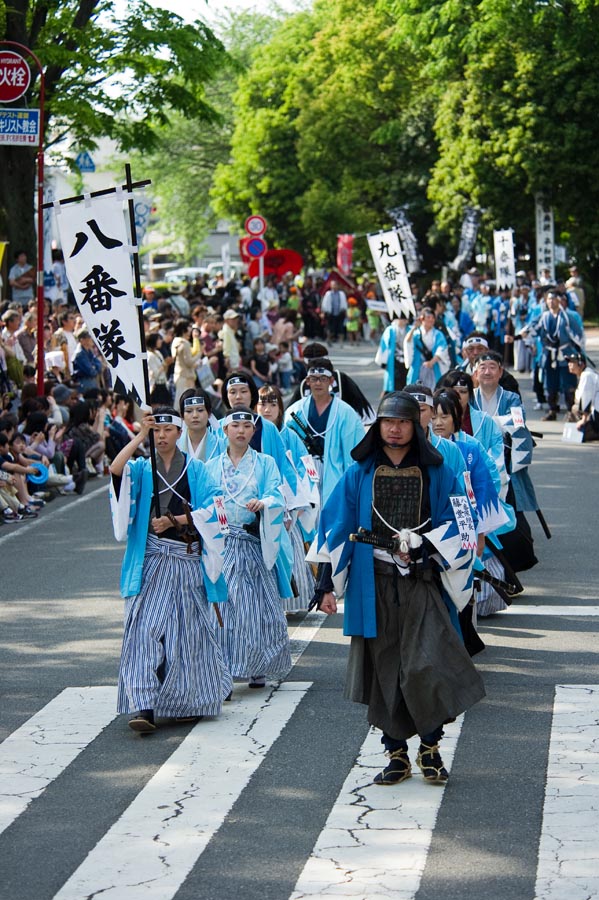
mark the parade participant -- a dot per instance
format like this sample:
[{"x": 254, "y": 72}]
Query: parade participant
[
  {"x": 390, "y": 354},
  {"x": 171, "y": 662},
  {"x": 505, "y": 407},
  {"x": 303, "y": 521},
  {"x": 344, "y": 385},
  {"x": 329, "y": 427},
  {"x": 586, "y": 398},
  {"x": 472, "y": 347},
  {"x": 484, "y": 483},
  {"x": 254, "y": 637},
  {"x": 477, "y": 423},
  {"x": 425, "y": 350},
  {"x": 560, "y": 335},
  {"x": 198, "y": 439},
  {"x": 407, "y": 662}
]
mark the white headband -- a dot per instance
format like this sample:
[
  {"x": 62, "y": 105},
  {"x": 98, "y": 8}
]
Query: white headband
[
  {"x": 239, "y": 417},
  {"x": 167, "y": 419},
  {"x": 475, "y": 341},
  {"x": 193, "y": 401},
  {"x": 422, "y": 398},
  {"x": 238, "y": 379},
  {"x": 319, "y": 370}
]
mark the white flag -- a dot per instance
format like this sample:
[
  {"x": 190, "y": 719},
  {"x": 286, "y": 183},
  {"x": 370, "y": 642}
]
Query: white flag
[
  {"x": 391, "y": 271},
  {"x": 97, "y": 254},
  {"x": 545, "y": 237},
  {"x": 505, "y": 263}
]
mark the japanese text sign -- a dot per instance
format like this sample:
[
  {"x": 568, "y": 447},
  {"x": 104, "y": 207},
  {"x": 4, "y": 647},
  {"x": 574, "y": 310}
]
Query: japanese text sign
[
  {"x": 505, "y": 264},
  {"x": 391, "y": 271},
  {"x": 96, "y": 248}
]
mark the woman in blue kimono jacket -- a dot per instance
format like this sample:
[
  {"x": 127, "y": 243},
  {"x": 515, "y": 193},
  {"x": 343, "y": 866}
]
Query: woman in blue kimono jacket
[
  {"x": 171, "y": 662},
  {"x": 407, "y": 662},
  {"x": 494, "y": 515},
  {"x": 254, "y": 637},
  {"x": 302, "y": 526}
]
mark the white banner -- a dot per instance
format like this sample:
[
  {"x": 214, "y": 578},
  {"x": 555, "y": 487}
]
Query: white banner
[
  {"x": 505, "y": 263},
  {"x": 545, "y": 237},
  {"x": 97, "y": 253},
  {"x": 391, "y": 272}
]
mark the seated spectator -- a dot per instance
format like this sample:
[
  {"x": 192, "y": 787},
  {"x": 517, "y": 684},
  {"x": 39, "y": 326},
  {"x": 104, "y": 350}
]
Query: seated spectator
[{"x": 19, "y": 469}]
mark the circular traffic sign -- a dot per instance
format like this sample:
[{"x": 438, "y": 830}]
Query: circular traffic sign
[
  {"x": 256, "y": 247},
  {"x": 255, "y": 225},
  {"x": 15, "y": 76}
]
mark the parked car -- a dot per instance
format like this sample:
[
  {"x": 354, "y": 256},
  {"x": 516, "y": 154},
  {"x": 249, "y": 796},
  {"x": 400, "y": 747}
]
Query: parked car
[{"x": 180, "y": 276}]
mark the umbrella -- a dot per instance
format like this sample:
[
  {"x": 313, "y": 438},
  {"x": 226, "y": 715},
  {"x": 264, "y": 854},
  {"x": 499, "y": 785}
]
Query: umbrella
[{"x": 278, "y": 262}]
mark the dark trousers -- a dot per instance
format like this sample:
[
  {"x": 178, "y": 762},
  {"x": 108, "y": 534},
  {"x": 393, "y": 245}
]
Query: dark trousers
[
  {"x": 391, "y": 744},
  {"x": 559, "y": 379}
]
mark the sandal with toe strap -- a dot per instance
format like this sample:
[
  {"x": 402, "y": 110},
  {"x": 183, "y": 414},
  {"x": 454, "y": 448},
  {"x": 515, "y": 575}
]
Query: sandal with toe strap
[
  {"x": 431, "y": 765},
  {"x": 398, "y": 770}
]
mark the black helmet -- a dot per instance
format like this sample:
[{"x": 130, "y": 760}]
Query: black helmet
[{"x": 399, "y": 405}]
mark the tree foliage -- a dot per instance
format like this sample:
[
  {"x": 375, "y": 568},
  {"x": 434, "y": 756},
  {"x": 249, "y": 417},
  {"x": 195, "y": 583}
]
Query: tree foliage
[
  {"x": 107, "y": 74},
  {"x": 186, "y": 150},
  {"x": 322, "y": 143}
]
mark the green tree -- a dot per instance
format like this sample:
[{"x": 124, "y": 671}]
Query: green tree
[
  {"x": 514, "y": 86},
  {"x": 106, "y": 74},
  {"x": 186, "y": 150}
]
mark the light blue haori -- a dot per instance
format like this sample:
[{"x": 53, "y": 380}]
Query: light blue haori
[
  {"x": 501, "y": 406},
  {"x": 415, "y": 358},
  {"x": 254, "y": 638},
  {"x": 343, "y": 431},
  {"x": 386, "y": 355},
  {"x": 131, "y": 517},
  {"x": 212, "y": 444}
]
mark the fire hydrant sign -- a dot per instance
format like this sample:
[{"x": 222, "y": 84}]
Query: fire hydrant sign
[
  {"x": 15, "y": 76},
  {"x": 20, "y": 127}
]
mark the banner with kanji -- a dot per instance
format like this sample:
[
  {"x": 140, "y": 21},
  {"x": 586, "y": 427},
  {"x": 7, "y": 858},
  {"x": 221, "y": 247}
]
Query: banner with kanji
[
  {"x": 391, "y": 271},
  {"x": 403, "y": 226},
  {"x": 505, "y": 262},
  {"x": 545, "y": 237},
  {"x": 97, "y": 254},
  {"x": 468, "y": 237},
  {"x": 345, "y": 253}
]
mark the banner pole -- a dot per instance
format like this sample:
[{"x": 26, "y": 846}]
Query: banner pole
[{"x": 142, "y": 334}]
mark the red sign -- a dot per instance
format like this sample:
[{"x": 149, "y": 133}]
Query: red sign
[
  {"x": 15, "y": 76},
  {"x": 278, "y": 262},
  {"x": 255, "y": 225}
]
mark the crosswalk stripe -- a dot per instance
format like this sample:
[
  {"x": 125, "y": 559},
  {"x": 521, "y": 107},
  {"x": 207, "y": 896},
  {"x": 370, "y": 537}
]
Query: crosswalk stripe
[
  {"x": 37, "y": 752},
  {"x": 568, "y": 852},
  {"x": 151, "y": 849},
  {"x": 376, "y": 839},
  {"x": 541, "y": 610},
  {"x": 303, "y": 634}
]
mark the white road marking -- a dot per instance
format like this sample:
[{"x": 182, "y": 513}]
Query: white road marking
[
  {"x": 154, "y": 845},
  {"x": 568, "y": 867},
  {"x": 47, "y": 515},
  {"x": 303, "y": 634},
  {"x": 376, "y": 839},
  {"x": 551, "y": 611},
  {"x": 37, "y": 752}
]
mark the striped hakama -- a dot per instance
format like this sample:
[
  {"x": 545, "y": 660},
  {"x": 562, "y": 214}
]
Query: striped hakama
[
  {"x": 302, "y": 574},
  {"x": 171, "y": 661},
  {"x": 254, "y": 639}
]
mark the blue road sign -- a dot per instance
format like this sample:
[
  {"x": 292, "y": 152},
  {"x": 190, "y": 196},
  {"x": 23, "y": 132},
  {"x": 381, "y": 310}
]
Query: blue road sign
[{"x": 84, "y": 162}]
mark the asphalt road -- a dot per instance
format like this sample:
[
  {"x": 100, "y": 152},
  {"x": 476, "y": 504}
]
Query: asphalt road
[{"x": 274, "y": 776}]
